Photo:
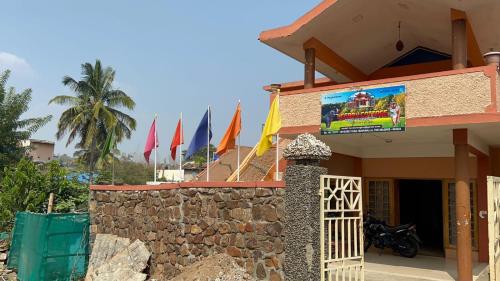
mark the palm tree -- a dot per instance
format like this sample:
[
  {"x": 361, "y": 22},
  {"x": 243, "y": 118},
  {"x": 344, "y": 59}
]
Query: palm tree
[{"x": 94, "y": 111}]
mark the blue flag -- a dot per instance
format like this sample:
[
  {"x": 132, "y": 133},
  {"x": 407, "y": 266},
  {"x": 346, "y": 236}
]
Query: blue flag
[{"x": 200, "y": 136}]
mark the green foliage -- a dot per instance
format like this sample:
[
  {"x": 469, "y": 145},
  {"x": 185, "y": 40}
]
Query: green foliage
[
  {"x": 200, "y": 157},
  {"x": 13, "y": 129},
  {"x": 126, "y": 172},
  {"x": 93, "y": 111},
  {"x": 400, "y": 100},
  {"x": 26, "y": 187}
]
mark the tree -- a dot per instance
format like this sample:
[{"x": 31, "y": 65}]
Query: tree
[
  {"x": 13, "y": 129},
  {"x": 94, "y": 111},
  {"x": 126, "y": 171},
  {"x": 200, "y": 157},
  {"x": 26, "y": 187}
]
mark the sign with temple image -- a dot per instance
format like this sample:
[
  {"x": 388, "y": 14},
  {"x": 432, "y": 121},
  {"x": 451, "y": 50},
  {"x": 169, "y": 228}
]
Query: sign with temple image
[{"x": 364, "y": 111}]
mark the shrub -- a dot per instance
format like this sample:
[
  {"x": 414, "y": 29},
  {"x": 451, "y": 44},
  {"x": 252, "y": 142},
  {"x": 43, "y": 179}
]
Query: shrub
[{"x": 26, "y": 187}]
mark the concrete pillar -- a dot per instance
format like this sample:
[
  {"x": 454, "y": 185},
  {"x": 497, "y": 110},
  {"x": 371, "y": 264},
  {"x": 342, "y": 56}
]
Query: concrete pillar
[
  {"x": 462, "y": 202},
  {"x": 459, "y": 44},
  {"x": 275, "y": 88},
  {"x": 309, "y": 68},
  {"x": 302, "y": 208}
]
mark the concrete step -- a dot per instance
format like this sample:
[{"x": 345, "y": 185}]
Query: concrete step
[
  {"x": 380, "y": 276},
  {"x": 420, "y": 268}
]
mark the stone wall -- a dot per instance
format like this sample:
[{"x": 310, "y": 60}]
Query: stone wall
[{"x": 182, "y": 225}]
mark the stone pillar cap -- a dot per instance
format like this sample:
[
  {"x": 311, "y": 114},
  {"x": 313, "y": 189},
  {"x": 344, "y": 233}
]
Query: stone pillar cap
[
  {"x": 491, "y": 53},
  {"x": 492, "y": 57},
  {"x": 307, "y": 147}
]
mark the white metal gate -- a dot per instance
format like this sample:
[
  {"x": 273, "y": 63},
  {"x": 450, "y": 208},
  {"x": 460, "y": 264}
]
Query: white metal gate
[
  {"x": 494, "y": 227},
  {"x": 342, "y": 252}
]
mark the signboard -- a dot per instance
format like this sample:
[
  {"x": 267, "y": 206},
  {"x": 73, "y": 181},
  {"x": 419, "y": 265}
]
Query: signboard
[{"x": 364, "y": 111}]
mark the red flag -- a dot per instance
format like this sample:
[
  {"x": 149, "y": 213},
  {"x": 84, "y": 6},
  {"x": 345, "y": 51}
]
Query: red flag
[
  {"x": 232, "y": 132},
  {"x": 177, "y": 140},
  {"x": 150, "y": 142}
]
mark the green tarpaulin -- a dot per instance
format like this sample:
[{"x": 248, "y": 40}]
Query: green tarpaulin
[{"x": 49, "y": 246}]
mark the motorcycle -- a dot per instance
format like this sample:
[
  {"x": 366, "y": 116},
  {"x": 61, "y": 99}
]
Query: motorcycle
[{"x": 402, "y": 239}]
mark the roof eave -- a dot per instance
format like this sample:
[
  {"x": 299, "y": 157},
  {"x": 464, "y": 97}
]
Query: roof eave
[{"x": 288, "y": 30}]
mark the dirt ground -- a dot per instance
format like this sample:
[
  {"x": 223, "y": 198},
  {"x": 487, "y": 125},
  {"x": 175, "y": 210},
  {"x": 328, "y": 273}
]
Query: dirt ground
[{"x": 219, "y": 267}]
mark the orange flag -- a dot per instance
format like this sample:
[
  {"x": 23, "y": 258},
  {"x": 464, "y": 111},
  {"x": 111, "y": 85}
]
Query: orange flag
[
  {"x": 177, "y": 140},
  {"x": 232, "y": 132}
]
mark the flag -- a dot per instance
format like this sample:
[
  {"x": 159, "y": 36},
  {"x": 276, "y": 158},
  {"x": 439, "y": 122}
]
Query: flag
[
  {"x": 232, "y": 132},
  {"x": 150, "y": 142},
  {"x": 177, "y": 140},
  {"x": 109, "y": 144},
  {"x": 272, "y": 126},
  {"x": 200, "y": 136}
]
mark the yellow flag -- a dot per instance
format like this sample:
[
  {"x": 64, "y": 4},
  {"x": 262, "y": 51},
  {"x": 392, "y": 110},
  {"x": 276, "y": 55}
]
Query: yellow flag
[{"x": 272, "y": 126}]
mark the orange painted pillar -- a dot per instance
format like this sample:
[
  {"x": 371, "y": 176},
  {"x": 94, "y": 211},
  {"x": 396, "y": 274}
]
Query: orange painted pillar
[
  {"x": 462, "y": 202},
  {"x": 459, "y": 44},
  {"x": 309, "y": 68},
  {"x": 483, "y": 170}
]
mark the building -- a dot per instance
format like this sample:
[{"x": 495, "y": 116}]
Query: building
[
  {"x": 41, "y": 151},
  {"x": 225, "y": 166},
  {"x": 361, "y": 100},
  {"x": 436, "y": 52}
]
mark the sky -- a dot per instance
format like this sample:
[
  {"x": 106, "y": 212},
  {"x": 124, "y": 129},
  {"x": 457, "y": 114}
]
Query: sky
[{"x": 169, "y": 56}]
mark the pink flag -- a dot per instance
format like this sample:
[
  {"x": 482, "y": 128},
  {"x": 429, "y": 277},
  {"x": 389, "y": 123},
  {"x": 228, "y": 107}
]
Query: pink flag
[{"x": 150, "y": 142}]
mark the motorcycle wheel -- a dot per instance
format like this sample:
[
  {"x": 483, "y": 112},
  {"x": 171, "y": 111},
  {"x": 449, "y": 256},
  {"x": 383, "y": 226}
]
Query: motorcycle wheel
[
  {"x": 368, "y": 243},
  {"x": 408, "y": 248}
]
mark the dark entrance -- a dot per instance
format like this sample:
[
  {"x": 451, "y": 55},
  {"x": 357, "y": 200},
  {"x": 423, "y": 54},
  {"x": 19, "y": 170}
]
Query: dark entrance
[{"x": 420, "y": 202}]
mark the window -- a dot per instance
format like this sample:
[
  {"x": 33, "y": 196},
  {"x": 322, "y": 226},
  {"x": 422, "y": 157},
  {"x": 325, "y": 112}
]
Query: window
[{"x": 379, "y": 200}]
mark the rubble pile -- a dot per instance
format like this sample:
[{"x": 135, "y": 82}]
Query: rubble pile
[
  {"x": 5, "y": 274},
  {"x": 219, "y": 267},
  {"x": 114, "y": 258}
]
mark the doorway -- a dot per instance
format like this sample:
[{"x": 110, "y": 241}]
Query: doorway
[{"x": 420, "y": 202}]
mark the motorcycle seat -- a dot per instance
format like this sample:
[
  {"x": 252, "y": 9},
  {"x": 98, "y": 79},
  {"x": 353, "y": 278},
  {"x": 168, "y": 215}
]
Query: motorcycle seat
[{"x": 399, "y": 227}]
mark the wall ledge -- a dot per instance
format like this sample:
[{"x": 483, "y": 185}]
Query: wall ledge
[
  {"x": 167, "y": 186},
  {"x": 487, "y": 70}
]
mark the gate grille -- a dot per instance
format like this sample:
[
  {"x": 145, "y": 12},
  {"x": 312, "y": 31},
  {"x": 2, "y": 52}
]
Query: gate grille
[
  {"x": 494, "y": 227},
  {"x": 342, "y": 252}
]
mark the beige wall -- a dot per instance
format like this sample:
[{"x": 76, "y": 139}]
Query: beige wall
[
  {"x": 437, "y": 96},
  {"x": 41, "y": 151}
]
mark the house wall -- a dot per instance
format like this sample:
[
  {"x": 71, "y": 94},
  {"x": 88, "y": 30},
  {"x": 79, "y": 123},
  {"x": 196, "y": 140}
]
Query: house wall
[
  {"x": 399, "y": 168},
  {"x": 447, "y": 93},
  {"x": 495, "y": 162},
  {"x": 439, "y": 168},
  {"x": 41, "y": 151},
  {"x": 343, "y": 165},
  {"x": 414, "y": 168},
  {"x": 181, "y": 225}
]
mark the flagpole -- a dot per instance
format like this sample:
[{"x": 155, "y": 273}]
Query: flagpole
[
  {"x": 180, "y": 148},
  {"x": 208, "y": 145},
  {"x": 155, "y": 147},
  {"x": 113, "y": 172},
  {"x": 277, "y": 141},
  {"x": 238, "y": 174}
]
